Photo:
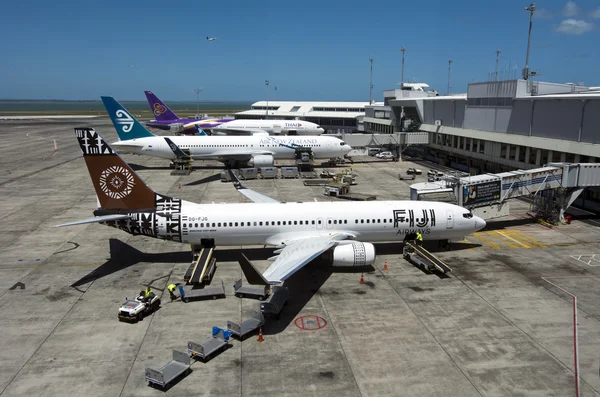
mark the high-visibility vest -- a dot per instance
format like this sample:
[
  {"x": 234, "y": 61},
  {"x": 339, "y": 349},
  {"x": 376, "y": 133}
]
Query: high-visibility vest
[
  {"x": 172, "y": 287},
  {"x": 419, "y": 237},
  {"x": 147, "y": 294}
]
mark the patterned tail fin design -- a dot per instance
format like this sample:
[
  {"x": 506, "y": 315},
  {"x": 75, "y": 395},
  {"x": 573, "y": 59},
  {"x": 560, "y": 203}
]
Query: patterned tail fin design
[
  {"x": 126, "y": 125},
  {"x": 117, "y": 185},
  {"x": 159, "y": 109}
]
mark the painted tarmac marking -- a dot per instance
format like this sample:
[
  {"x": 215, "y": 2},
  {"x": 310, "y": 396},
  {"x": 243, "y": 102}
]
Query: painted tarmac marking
[
  {"x": 512, "y": 239},
  {"x": 496, "y": 235},
  {"x": 528, "y": 239},
  {"x": 310, "y": 322},
  {"x": 479, "y": 236},
  {"x": 592, "y": 260}
]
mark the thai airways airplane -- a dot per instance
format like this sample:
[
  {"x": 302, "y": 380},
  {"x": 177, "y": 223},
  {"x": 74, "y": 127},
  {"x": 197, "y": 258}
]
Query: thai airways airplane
[
  {"x": 166, "y": 119},
  {"x": 299, "y": 231},
  {"x": 258, "y": 150}
]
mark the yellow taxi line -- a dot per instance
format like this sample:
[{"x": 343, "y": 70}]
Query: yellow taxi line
[{"x": 512, "y": 239}]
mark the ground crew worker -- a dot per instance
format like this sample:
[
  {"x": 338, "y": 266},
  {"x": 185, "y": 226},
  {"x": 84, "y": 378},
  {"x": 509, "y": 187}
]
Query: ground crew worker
[
  {"x": 148, "y": 294},
  {"x": 172, "y": 288},
  {"x": 419, "y": 238}
]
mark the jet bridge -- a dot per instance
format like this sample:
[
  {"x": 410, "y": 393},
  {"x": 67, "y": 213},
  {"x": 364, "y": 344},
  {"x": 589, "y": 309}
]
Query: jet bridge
[{"x": 553, "y": 189}]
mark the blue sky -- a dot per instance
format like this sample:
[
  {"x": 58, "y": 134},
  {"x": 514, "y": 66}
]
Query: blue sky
[{"x": 309, "y": 50}]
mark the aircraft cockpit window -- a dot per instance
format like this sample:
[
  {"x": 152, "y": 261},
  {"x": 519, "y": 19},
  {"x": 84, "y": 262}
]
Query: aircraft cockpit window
[
  {"x": 468, "y": 215},
  {"x": 342, "y": 143}
]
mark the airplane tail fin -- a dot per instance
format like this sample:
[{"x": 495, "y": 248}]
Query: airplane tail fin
[
  {"x": 200, "y": 131},
  {"x": 117, "y": 186},
  {"x": 126, "y": 125},
  {"x": 158, "y": 108}
]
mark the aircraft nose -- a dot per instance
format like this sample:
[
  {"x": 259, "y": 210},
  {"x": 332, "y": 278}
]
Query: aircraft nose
[{"x": 479, "y": 223}]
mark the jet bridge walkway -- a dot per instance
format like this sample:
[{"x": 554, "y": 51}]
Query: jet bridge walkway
[
  {"x": 421, "y": 257},
  {"x": 553, "y": 188},
  {"x": 202, "y": 268}
]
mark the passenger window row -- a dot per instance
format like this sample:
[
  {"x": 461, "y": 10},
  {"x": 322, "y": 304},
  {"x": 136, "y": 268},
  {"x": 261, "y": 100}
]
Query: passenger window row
[
  {"x": 373, "y": 221},
  {"x": 190, "y": 146},
  {"x": 266, "y": 223}
]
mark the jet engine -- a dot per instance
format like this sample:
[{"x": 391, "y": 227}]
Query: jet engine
[
  {"x": 354, "y": 254},
  {"x": 261, "y": 160}
]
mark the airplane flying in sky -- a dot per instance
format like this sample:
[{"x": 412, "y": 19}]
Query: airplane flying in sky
[
  {"x": 211, "y": 38},
  {"x": 258, "y": 150},
  {"x": 299, "y": 231},
  {"x": 166, "y": 119}
]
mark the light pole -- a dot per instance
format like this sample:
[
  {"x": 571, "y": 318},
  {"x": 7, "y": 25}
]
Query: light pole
[
  {"x": 531, "y": 9},
  {"x": 267, "y": 96},
  {"x": 197, "y": 91},
  {"x": 498, "y": 52},
  {"x": 371, "y": 82},
  {"x": 449, "y": 63},
  {"x": 403, "y": 51}
]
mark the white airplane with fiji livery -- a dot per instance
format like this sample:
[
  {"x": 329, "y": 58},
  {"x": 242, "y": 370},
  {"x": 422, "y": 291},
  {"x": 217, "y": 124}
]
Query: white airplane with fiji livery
[
  {"x": 258, "y": 150},
  {"x": 299, "y": 231}
]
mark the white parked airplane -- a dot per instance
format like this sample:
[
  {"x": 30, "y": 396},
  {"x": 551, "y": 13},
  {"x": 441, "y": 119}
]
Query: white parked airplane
[
  {"x": 299, "y": 231},
  {"x": 258, "y": 150},
  {"x": 273, "y": 127}
]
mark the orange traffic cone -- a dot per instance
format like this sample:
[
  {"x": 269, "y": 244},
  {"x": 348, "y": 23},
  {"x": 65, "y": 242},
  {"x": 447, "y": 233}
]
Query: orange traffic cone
[
  {"x": 362, "y": 278},
  {"x": 385, "y": 266},
  {"x": 260, "y": 336}
]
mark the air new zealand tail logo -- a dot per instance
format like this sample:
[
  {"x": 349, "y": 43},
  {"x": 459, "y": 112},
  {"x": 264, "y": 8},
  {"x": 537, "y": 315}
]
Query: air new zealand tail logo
[{"x": 124, "y": 119}]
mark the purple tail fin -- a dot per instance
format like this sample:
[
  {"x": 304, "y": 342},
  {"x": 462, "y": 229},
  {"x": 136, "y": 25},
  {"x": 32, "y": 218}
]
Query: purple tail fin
[{"x": 159, "y": 109}]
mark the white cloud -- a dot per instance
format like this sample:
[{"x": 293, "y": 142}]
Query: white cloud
[
  {"x": 596, "y": 13},
  {"x": 570, "y": 9},
  {"x": 574, "y": 26}
]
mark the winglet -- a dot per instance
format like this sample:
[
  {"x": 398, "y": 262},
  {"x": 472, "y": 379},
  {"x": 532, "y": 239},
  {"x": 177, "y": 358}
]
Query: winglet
[
  {"x": 178, "y": 152},
  {"x": 252, "y": 275}
]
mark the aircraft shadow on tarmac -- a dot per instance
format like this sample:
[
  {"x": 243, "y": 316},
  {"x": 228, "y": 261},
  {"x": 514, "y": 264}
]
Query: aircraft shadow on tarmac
[
  {"x": 302, "y": 286},
  {"x": 123, "y": 255},
  {"x": 208, "y": 179}
]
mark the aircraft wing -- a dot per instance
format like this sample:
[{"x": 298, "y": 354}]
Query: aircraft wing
[
  {"x": 251, "y": 194},
  {"x": 298, "y": 253}
]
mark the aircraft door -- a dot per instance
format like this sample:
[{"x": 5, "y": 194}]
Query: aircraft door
[
  {"x": 449, "y": 219},
  {"x": 319, "y": 223},
  {"x": 329, "y": 223},
  {"x": 277, "y": 129}
]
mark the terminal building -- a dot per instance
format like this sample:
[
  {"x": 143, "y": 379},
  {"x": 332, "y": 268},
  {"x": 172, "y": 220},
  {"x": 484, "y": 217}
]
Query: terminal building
[
  {"x": 499, "y": 126},
  {"x": 332, "y": 116}
]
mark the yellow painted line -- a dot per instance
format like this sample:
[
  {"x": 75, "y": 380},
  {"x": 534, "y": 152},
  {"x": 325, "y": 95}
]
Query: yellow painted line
[
  {"x": 528, "y": 239},
  {"x": 512, "y": 239},
  {"x": 49, "y": 266},
  {"x": 498, "y": 237},
  {"x": 485, "y": 241}
]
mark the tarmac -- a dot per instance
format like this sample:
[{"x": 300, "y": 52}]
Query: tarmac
[{"x": 494, "y": 327}]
